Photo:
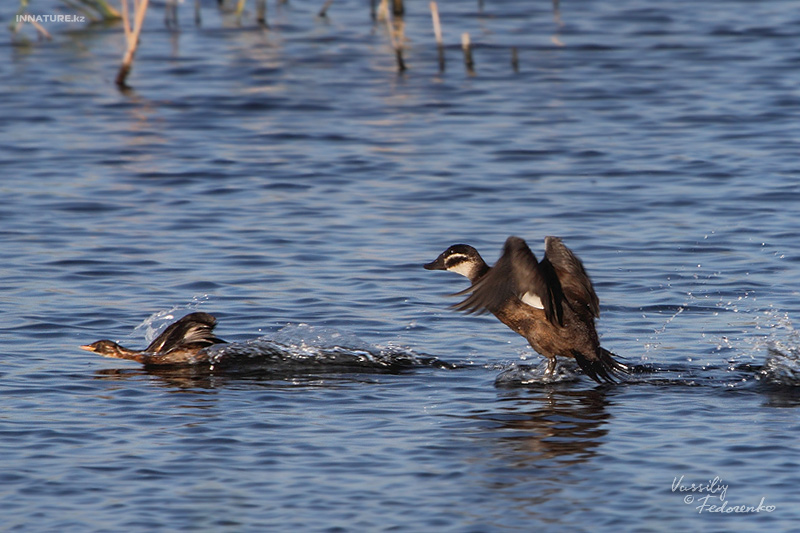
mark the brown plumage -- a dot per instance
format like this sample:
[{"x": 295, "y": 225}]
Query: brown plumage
[
  {"x": 182, "y": 343},
  {"x": 551, "y": 302}
]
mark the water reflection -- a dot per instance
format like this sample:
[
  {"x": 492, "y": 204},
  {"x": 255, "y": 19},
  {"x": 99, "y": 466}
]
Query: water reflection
[
  {"x": 182, "y": 379},
  {"x": 199, "y": 378},
  {"x": 551, "y": 424},
  {"x": 782, "y": 396},
  {"x": 533, "y": 442}
]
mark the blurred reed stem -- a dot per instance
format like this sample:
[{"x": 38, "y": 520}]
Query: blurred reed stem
[
  {"x": 437, "y": 32},
  {"x": 16, "y": 24},
  {"x": 466, "y": 44},
  {"x": 131, "y": 37},
  {"x": 102, "y": 7}
]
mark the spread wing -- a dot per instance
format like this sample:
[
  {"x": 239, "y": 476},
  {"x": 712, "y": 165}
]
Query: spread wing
[
  {"x": 575, "y": 282},
  {"x": 517, "y": 274},
  {"x": 193, "y": 328}
]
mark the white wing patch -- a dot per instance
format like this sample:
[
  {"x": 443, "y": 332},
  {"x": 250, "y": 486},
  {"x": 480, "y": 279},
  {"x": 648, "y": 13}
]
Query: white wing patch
[{"x": 532, "y": 300}]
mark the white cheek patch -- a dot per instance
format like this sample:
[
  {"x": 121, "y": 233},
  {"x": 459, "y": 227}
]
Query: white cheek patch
[
  {"x": 464, "y": 268},
  {"x": 531, "y": 299}
]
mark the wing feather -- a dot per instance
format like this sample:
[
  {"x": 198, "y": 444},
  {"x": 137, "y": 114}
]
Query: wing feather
[
  {"x": 572, "y": 276},
  {"x": 515, "y": 274},
  {"x": 193, "y": 328}
]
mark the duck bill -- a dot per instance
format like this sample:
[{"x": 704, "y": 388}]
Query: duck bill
[
  {"x": 436, "y": 264},
  {"x": 87, "y": 347}
]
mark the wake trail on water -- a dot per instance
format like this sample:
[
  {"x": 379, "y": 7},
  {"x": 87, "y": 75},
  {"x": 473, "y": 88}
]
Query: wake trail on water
[
  {"x": 763, "y": 335},
  {"x": 302, "y": 347}
]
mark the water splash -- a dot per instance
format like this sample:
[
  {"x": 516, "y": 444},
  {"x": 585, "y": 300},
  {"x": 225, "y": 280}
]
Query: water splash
[
  {"x": 153, "y": 325},
  {"x": 301, "y": 347},
  {"x": 526, "y": 375},
  {"x": 782, "y": 364},
  {"x": 305, "y": 337}
]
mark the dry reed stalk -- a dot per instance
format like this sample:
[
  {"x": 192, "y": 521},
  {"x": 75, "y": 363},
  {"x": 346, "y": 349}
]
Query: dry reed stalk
[
  {"x": 556, "y": 40},
  {"x": 171, "y": 14},
  {"x": 467, "y": 46},
  {"x": 261, "y": 12},
  {"x": 15, "y": 26},
  {"x": 131, "y": 37},
  {"x": 324, "y": 11},
  {"x": 102, "y": 6},
  {"x": 398, "y": 9},
  {"x": 398, "y": 50},
  {"x": 383, "y": 10},
  {"x": 90, "y": 15},
  {"x": 557, "y": 14},
  {"x": 437, "y": 31},
  {"x": 437, "y": 27},
  {"x": 43, "y": 33}
]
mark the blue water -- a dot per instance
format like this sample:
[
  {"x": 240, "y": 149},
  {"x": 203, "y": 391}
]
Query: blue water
[{"x": 290, "y": 182}]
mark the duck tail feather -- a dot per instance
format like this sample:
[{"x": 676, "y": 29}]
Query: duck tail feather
[{"x": 603, "y": 368}]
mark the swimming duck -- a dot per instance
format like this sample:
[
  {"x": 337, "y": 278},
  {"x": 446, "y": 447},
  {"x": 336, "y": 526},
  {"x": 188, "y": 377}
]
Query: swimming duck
[
  {"x": 181, "y": 343},
  {"x": 551, "y": 302}
]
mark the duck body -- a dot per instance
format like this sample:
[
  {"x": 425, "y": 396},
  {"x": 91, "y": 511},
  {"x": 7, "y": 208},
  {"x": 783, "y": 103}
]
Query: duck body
[
  {"x": 182, "y": 343},
  {"x": 551, "y": 302}
]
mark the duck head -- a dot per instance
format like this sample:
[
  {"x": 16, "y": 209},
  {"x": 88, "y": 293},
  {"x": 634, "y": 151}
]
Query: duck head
[
  {"x": 107, "y": 348},
  {"x": 462, "y": 259}
]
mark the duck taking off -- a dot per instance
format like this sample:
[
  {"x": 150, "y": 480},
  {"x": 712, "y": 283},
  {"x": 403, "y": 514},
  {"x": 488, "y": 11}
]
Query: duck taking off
[
  {"x": 181, "y": 343},
  {"x": 551, "y": 302}
]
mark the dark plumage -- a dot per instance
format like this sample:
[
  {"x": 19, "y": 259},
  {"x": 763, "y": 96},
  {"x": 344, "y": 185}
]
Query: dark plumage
[
  {"x": 551, "y": 302},
  {"x": 181, "y": 343}
]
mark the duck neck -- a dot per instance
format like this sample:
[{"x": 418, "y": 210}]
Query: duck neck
[
  {"x": 477, "y": 271},
  {"x": 121, "y": 352}
]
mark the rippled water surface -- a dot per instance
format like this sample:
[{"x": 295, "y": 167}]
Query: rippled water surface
[{"x": 291, "y": 182}]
